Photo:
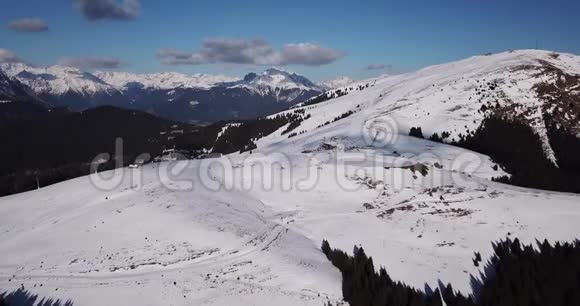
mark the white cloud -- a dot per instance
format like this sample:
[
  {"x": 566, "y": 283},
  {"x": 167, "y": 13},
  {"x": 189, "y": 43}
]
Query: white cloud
[
  {"x": 7, "y": 56},
  {"x": 308, "y": 54},
  {"x": 254, "y": 51},
  {"x": 109, "y": 9},
  {"x": 91, "y": 62},
  {"x": 376, "y": 67},
  {"x": 28, "y": 25}
]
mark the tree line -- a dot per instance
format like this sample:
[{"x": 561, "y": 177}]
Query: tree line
[
  {"x": 516, "y": 274},
  {"x": 518, "y": 149}
]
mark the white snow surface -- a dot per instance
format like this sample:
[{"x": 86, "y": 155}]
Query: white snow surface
[
  {"x": 255, "y": 240},
  {"x": 247, "y": 230},
  {"x": 163, "y": 80}
]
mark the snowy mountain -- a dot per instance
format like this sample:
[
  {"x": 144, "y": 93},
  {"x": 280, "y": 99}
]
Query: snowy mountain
[
  {"x": 538, "y": 88},
  {"x": 215, "y": 237},
  {"x": 277, "y": 79},
  {"x": 12, "y": 90},
  {"x": 64, "y": 86},
  {"x": 283, "y": 86},
  {"x": 162, "y": 81},
  {"x": 270, "y": 81},
  {"x": 176, "y": 96},
  {"x": 246, "y": 228},
  {"x": 202, "y": 98},
  {"x": 335, "y": 83}
]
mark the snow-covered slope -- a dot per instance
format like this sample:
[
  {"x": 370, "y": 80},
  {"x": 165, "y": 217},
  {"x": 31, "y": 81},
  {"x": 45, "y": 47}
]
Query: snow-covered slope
[
  {"x": 251, "y": 237},
  {"x": 246, "y": 228},
  {"x": 335, "y": 83},
  {"x": 164, "y": 80},
  {"x": 456, "y": 97}
]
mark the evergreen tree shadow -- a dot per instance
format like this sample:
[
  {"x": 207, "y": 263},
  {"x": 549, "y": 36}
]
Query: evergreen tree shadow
[
  {"x": 486, "y": 274},
  {"x": 23, "y": 297},
  {"x": 516, "y": 274}
]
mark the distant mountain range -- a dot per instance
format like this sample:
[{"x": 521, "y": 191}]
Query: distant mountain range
[{"x": 176, "y": 96}]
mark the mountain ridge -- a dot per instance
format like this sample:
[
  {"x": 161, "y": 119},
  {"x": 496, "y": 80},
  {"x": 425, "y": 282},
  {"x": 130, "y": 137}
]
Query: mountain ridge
[
  {"x": 13, "y": 90},
  {"x": 162, "y": 80},
  {"x": 175, "y": 96},
  {"x": 534, "y": 90}
]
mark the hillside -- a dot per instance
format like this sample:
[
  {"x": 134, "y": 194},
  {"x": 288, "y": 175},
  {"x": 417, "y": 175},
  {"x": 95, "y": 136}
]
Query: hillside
[
  {"x": 254, "y": 239},
  {"x": 451, "y": 97},
  {"x": 538, "y": 90},
  {"x": 54, "y": 145},
  {"x": 246, "y": 228}
]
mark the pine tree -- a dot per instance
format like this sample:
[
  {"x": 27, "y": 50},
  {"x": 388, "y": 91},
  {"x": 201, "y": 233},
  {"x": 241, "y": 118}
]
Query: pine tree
[{"x": 416, "y": 132}]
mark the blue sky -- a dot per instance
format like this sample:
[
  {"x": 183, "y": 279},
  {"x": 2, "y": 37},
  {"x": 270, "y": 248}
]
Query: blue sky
[{"x": 401, "y": 35}]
